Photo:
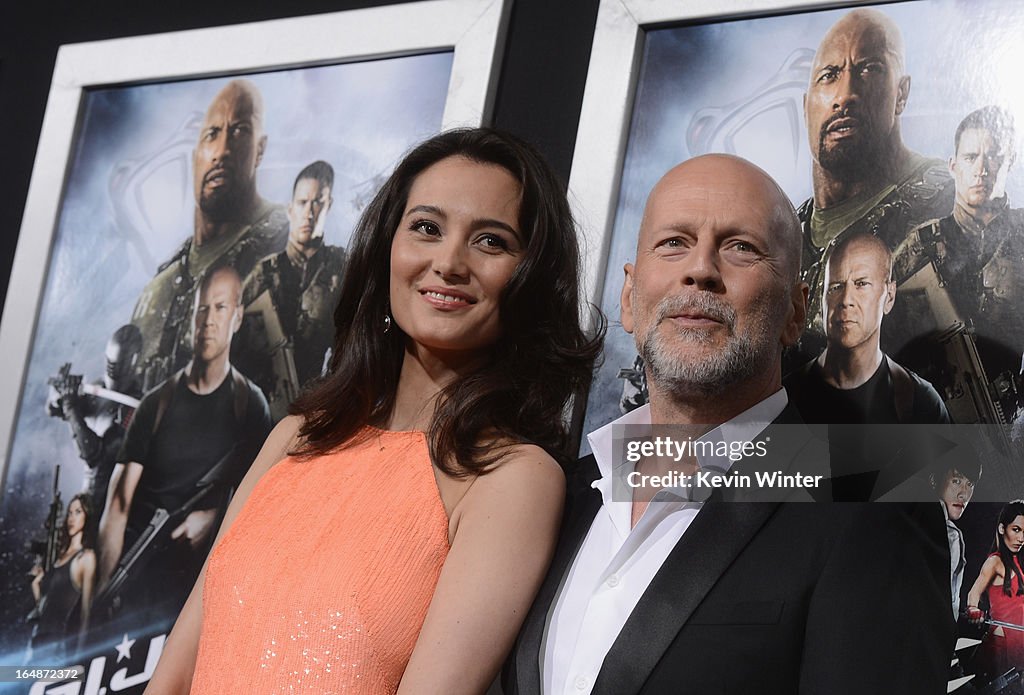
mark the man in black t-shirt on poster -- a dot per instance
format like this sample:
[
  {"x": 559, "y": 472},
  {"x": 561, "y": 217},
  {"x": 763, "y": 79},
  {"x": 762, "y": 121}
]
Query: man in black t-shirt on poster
[
  {"x": 852, "y": 381},
  {"x": 189, "y": 445}
]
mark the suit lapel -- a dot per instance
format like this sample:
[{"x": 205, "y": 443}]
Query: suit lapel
[
  {"x": 721, "y": 530},
  {"x": 585, "y": 504}
]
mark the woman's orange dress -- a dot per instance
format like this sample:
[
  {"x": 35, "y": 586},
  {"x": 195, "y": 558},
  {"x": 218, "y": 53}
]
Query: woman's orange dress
[{"x": 324, "y": 579}]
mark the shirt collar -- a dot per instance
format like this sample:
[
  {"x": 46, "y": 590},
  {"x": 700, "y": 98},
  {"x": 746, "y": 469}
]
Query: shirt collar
[{"x": 744, "y": 427}]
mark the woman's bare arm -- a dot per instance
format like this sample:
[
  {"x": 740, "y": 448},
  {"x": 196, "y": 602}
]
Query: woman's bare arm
[
  {"x": 87, "y": 581},
  {"x": 987, "y": 575},
  {"x": 507, "y": 528},
  {"x": 178, "y": 661}
]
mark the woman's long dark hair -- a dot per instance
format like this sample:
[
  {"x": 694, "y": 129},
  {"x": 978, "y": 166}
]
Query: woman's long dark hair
[
  {"x": 88, "y": 529},
  {"x": 1009, "y": 512},
  {"x": 542, "y": 357}
]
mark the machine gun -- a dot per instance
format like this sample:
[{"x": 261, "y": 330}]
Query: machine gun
[
  {"x": 48, "y": 549},
  {"x": 160, "y": 526},
  {"x": 269, "y": 338},
  {"x": 970, "y": 395}
]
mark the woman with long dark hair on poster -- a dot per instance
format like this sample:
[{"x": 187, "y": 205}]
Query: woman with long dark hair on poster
[
  {"x": 392, "y": 534},
  {"x": 64, "y": 594},
  {"x": 1001, "y": 579}
]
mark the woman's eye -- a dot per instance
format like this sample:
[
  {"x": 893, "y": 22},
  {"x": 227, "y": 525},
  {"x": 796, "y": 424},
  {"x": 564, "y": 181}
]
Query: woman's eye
[
  {"x": 492, "y": 241},
  {"x": 426, "y": 227}
]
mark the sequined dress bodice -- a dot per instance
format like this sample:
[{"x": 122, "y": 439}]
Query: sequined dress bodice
[{"x": 324, "y": 579}]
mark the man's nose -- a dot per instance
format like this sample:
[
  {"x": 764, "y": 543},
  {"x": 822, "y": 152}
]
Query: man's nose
[
  {"x": 221, "y": 146},
  {"x": 701, "y": 267},
  {"x": 846, "y": 295},
  {"x": 846, "y": 90}
]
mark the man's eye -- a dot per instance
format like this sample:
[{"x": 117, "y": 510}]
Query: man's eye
[
  {"x": 673, "y": 243},
  {"x": 834, "y": 288},
  {"x": 828, "y": 75}
]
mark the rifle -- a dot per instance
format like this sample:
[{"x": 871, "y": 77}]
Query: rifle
[
  {"x": 275, "y": 344},
  {"x": 160, "y": 525},
  {"x": 50, "y": 548},
  {"x": 971, "y": 396},
  {"x": 53, "y": 525}
]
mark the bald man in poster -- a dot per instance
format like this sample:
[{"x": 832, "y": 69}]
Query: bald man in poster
[
  {"x": 865, "y": 179},
  {"x": 852, "y": 381},
  {"x": 233, "y": 225}
]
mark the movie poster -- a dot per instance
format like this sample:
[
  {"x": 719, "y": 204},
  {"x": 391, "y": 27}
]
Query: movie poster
[
  {"x": 202, "y": 232},
  {"x": 939, "y": 149}
]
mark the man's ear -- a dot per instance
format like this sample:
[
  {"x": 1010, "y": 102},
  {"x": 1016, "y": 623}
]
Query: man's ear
[
  {"x": 890, "y": 296},
  {"x": 261, "y": 147},
  {"x": 236, "y": 322},
  {"x": 797, "y": 317},
  {"x": 626, "y": 300},
  {"x": 902, "y": 94}
]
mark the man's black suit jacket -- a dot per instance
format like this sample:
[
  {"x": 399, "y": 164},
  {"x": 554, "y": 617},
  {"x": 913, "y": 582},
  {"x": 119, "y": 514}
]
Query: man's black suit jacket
[{"x": 770, "y": 597}]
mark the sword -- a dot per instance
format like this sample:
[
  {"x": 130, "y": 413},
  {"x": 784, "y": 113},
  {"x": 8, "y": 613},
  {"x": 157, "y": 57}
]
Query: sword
[
  {"x": 1003, "y": 623},
  {"x": 100, "y": 392}
]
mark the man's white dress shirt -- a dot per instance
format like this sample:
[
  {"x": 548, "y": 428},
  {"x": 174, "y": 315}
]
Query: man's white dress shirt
[{"x": 616, "y": 564}]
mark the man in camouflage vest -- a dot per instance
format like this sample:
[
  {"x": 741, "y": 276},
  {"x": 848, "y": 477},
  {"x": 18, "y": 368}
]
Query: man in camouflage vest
[
  {"x": 290, "y": 297},
  {"x": 233, "y": 225},
  {"x": 865, "y": 179}
]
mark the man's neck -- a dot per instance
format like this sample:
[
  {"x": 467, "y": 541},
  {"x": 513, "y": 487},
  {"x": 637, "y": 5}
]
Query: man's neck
[
  {"x": 831, "y": 189},
  {"x": 706, "y": 411},
  {"x": 206, "y": 377},
  {"x": 847, "y": 369},
  {"x": 975, "y": 218},
  {"x": 207, "y": 230},
  {"x": 300, "y": 253}
]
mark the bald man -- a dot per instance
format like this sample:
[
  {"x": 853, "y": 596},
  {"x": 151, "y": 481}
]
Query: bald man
[
  {"x": 202, "y": 415},
  {"x": 232, "y": 225},
  {"x": 864, "y": 176},
  {"x": 662, "y": 585},
  {"x": 853, "y": 381}
]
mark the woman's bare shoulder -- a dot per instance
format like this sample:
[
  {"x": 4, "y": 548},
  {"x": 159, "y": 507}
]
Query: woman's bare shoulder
[
  {"x": 282, "y": 440},
  {"x": 523, "y": 470}
]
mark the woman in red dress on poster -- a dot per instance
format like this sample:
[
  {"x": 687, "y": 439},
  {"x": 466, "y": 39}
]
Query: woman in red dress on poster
[{"x": 1002, "y": 578}]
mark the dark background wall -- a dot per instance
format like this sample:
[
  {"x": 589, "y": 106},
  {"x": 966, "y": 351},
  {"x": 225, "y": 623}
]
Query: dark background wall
[{"x": 539, "y": 90}]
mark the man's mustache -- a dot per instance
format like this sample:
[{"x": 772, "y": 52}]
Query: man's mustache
[
  {"x": 839, "y": 115},
  {"x": 216, "y": 171},
  {"x": 701, "y": 303}
]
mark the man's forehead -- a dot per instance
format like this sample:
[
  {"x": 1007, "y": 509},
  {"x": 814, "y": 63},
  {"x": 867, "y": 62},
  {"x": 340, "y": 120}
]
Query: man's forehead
[
  {"x": 859, "y": 37},
  {"x": 231, "y": 105},
  {"x": 977, "y": 139},
  {"x": 221, "y": 284},
  {"x": 694, "y": 198},
  {"x": 857, "y": 257}
]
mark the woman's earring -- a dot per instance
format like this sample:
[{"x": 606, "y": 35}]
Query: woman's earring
[{"x": 387, "y": 323}]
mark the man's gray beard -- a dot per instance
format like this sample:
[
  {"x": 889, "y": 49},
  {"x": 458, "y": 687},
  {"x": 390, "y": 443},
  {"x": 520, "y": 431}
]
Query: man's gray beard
[{"x": 743, "y": 356}]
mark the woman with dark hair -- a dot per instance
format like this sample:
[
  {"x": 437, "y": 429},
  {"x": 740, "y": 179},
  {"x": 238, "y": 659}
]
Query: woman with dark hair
[
  {"x": 392, "y": 533},
  {"x": 64, "y": 594},
  {"x": 1002, "y": 579}
]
